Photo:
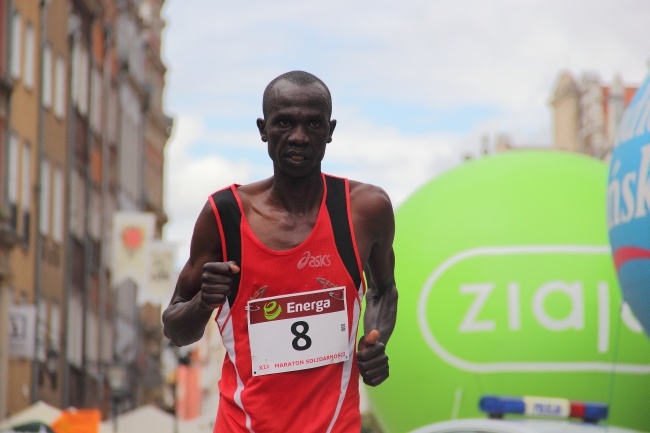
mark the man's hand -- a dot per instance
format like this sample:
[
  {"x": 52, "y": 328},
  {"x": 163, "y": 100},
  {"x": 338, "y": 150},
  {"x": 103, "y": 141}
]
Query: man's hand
[
  {"x": 216, "y": 283},
  {"x": 372, "y": 359}
]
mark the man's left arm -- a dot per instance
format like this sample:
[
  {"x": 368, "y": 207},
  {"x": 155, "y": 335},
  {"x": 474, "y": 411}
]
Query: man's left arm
[{"x": 381, "y": 297}]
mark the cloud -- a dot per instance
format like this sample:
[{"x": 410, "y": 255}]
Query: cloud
[
  {"x": 190, "y": 181},
  {"x": 416, "y": 85}
]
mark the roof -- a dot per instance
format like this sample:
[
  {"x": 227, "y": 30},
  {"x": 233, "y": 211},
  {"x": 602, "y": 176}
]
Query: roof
[
  {"x": 38, "y": 412},
  {"x": 151, "y": 418}
]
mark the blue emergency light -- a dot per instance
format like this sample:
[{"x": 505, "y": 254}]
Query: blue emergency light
[{"x": 497, "y": 407}]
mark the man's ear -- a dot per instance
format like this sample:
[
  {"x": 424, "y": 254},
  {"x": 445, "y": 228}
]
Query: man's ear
[
  {"x": 332, "y": 126},
  {"x": 261, "y": 126}
]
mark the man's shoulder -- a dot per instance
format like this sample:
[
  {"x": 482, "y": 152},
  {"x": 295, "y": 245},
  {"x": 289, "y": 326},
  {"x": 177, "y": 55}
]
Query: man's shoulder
[
  {"x": 363, "y": 189},
  {"x": 358, "y": 184},
  {"x": 369, "y": 198},
  {"x": 255, "y": 187},
  {"x": 248, "y": 188}
]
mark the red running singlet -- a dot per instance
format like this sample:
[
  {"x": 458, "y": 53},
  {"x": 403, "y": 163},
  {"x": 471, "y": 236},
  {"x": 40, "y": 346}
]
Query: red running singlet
[{"x": 316, "y": 400}]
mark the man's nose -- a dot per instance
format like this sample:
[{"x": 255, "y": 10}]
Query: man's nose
[{"x": 299, "y": 135}]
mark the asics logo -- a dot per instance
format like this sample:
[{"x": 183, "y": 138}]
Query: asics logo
[{"x": 312, "y": 261}]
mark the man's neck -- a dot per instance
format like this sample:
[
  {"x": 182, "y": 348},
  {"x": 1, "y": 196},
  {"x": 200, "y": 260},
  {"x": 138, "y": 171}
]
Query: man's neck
[{"x": 298, "y": 196}]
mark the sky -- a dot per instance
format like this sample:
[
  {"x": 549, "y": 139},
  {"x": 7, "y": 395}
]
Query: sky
[{"x": 416, "y": 85}]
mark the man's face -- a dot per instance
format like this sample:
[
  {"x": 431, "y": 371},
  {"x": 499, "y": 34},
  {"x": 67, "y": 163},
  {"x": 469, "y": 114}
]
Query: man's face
[{"x": 297, "y": 127}]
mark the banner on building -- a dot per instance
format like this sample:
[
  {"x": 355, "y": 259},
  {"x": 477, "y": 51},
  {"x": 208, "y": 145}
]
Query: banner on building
[
  {"x": 22, "y": 331},
  {"x": 132, "y": 236},
  {"x": 162, "y": 276}
]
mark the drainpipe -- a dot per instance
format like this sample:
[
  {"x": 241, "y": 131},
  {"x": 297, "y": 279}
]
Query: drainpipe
[
  {"x": 87, "y": 220},
  {"x": 7, "y": 241},
  {"x": 105, "y": 205},
  {"x": 38, "y": 296},
  {"x": 73, "y": 33}
]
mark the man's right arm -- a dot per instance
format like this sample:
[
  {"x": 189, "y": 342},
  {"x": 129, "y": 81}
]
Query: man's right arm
[{"x": 187, "y": 314}]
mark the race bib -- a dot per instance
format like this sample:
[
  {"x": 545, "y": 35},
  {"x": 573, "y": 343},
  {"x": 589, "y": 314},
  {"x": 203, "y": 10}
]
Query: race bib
[{"x": 298, "y": 331}]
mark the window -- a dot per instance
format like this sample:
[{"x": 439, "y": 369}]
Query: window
[
  {"x": 16, "y": 38},
  {"x": 26, "y": 191},
  {"x": 79, "y": 90},
  {"x": 25, "y": 187},
  {"x": 46, "y": 95},
  {"x": 28, "y": 79},
  {"x": 92, "y": 337},
  {"x": 57, "y": 196},
  {"x": 59, "y": 87},
  {"x": 83, "y": 80},
  {"x": 96, "y": 100},
  {"x": 54, "y": 327},
  {"x": 95, "y": 216},
  {"x": 13, "y": 169},
  {"x": 41, "y": 331},
  {"x": 45, "y": 191},
  {"x": 74, "y": 70},
  {"x": 130, "y": 156},
  {"x": 13, "y": 179},
  {"x": 74, "y": 334},
  {"x": 111, "y": 121},
  {"x": 53, "y": 332},
  {"x": 78, "y": 205}
]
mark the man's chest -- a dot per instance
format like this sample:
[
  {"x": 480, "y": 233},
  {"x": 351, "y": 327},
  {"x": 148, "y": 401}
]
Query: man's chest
[{"x": 281, "y": 232}]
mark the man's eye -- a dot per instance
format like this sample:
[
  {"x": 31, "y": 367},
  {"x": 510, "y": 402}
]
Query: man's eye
[
  {"x": 315, "y": 123},
  {"x": 283, "y": 123}
]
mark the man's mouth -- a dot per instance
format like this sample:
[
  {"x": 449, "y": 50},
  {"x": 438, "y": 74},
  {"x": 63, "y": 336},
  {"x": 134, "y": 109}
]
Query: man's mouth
[{"x": 296, "y": 157}]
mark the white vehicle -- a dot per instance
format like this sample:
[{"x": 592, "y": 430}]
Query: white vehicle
[{"x": 588, "y": 417}]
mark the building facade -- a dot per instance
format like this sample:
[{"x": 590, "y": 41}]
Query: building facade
[
  {"x": 586, "y": 113},
  {"x": 82, "y": 136}
]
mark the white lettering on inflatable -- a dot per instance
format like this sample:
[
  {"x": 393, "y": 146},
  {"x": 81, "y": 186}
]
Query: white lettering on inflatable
[
  {"x": 635, "y": 119},
  {"x": 575, "y": 319},
  {"x": 643, "y": 192},
  {"x": 603, "y": 317},
  {"x": 631, "y": 322},
  {"x": 514, "y": 313},
  {"x": 630, "y": 198},
  {"x": 470, "y": 323}
]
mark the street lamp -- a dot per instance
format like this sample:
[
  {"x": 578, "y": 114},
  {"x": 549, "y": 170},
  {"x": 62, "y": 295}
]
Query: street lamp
[{"x": 118, "y": 382}]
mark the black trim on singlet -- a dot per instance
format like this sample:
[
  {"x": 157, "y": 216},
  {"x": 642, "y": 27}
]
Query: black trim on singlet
[
  {"x": 230, "y": 216},
  {"x": 336, "y": 202}
]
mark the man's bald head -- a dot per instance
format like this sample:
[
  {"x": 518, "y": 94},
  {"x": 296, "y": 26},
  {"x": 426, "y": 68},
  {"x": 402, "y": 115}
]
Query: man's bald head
[{"x": 300, "y": 78}]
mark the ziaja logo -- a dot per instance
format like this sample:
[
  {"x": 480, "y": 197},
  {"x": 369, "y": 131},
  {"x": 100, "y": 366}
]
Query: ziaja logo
[
  {"x": 312, "y": 261},
  {"x": 541, "y": 299}
]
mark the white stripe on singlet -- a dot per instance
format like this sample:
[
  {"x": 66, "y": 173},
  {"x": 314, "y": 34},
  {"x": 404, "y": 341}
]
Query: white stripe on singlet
[
  {"x": 347, "y": 365},
  {"x": 224, "y": 322}
]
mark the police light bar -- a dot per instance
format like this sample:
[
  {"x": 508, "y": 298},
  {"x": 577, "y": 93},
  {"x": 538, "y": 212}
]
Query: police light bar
[{"x": 497, "y": 407}]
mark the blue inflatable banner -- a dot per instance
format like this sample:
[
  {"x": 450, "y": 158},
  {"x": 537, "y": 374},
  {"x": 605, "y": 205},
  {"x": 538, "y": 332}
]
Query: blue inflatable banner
[{"x": 628, "y": 205}]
